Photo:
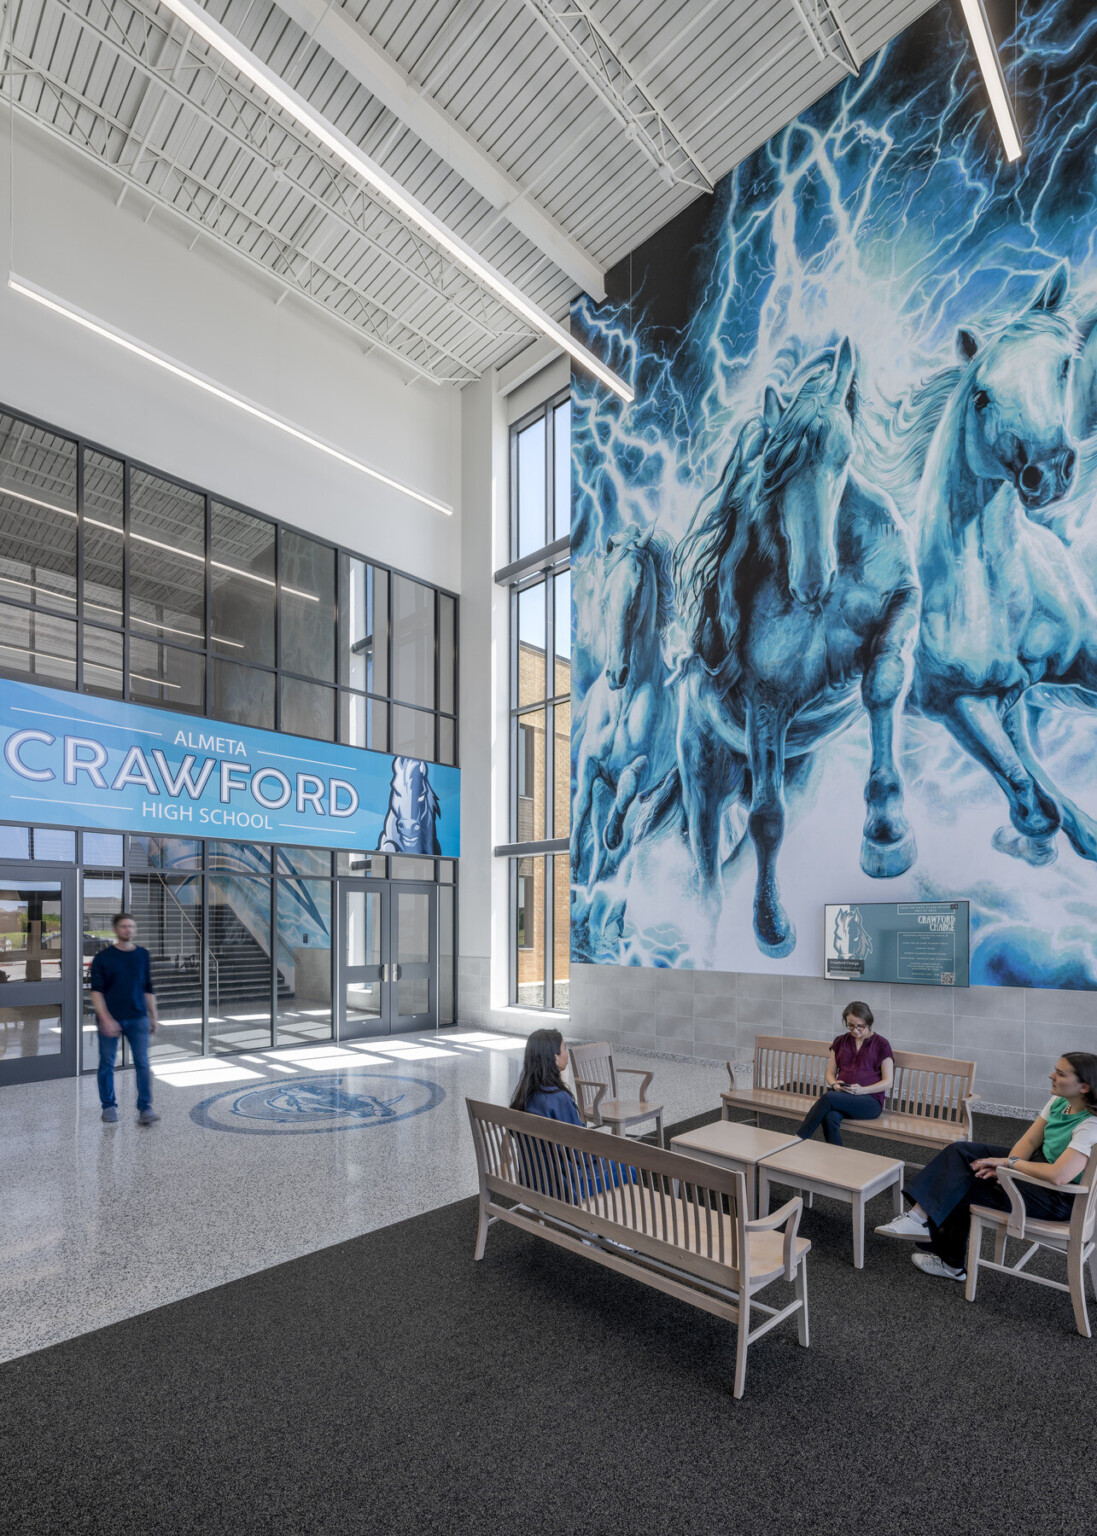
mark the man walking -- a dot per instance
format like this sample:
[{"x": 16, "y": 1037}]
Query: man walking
[{"x": 124, "y": 1000}]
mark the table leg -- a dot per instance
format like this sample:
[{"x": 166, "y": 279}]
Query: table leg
[
  {"x": 897, "y": 1194},
  {"x": 858, "y": 1201},
  {"x": 761, "y": 1207}
]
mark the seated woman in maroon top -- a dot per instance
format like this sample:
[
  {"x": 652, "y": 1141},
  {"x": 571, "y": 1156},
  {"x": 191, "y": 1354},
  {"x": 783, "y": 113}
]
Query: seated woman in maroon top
[{"x": 859, "y": 1072}]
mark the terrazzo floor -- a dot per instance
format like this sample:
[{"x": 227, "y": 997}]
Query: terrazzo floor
[{"x": 101, "y": 1222}]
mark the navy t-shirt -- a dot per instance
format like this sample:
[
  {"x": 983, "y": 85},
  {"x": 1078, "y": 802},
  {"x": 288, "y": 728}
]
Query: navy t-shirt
[{"x": 123, "y": 977}]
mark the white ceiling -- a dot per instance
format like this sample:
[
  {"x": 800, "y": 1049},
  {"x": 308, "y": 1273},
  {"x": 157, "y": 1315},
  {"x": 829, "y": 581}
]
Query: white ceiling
[{"x": 521, "y": 140}]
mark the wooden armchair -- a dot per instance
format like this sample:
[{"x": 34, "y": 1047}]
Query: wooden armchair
[
  {"x": 1074, "y": 1238},
  {"x": 597, "y": 1094}
]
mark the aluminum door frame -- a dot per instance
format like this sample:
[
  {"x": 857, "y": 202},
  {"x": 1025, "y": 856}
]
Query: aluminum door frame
[
  {"x": 37, "y": 1069},
  {"x": 395, "y": 968},
  {"x": 380, "y": 888}
]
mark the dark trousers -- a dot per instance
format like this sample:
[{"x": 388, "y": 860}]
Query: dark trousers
[
  {"x": 946, "y": 1188},
  {"x": 136, "y": 1032},
  {"x": 831, "y": 1108}
]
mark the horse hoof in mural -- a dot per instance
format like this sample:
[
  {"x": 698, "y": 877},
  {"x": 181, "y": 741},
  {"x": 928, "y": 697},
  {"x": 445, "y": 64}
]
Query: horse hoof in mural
[
  {"x": 774, "y": 931},
  {"x": 883, "y": 861},
  {"x": 1036, "y": 851}
]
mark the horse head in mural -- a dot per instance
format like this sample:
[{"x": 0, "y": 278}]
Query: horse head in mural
[
  {"x": 627, "y": 741},
  {"x": 798, "y": 587},
  {"x": 1004, "y": 610},
  {"x": 410, "y": 825}
]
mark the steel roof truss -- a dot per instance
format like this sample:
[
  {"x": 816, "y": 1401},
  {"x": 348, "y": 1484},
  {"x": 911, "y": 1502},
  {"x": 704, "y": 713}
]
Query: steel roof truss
[{"x": 573, "y": 28}]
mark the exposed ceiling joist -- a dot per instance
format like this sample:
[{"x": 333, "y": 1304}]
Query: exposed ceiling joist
[
  {"x": 822, "y": 21},
  {"x": 352, "y": 47},
  {"x": 597, "y": 58},
  {"x": 390, "y": 192}
]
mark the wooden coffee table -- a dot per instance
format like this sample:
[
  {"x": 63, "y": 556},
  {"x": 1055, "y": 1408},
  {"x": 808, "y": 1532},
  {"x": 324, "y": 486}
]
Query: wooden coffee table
[
  {"x": 839, "y": 1172},
  {"x": 729, "y": 1144}
]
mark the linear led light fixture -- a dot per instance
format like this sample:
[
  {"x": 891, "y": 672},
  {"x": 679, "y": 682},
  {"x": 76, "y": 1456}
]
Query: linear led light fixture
[
  {"x": 31, "y": 290},
  {"x": 987, "y": 53},
  {"x": 246, "y": 63}
]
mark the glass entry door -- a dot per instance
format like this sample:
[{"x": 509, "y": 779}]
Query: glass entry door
[
  {"x": 389, "y": 955},
  {"x": 39, "y": 961},
  {"x": 414, "y": 957}
]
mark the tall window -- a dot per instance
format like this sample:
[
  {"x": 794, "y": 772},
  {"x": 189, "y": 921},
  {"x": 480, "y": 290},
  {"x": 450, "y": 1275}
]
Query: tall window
[{"x": 539, "y": 581}]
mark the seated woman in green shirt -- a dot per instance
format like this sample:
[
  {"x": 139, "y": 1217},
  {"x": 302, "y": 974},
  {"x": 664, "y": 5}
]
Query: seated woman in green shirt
[{"x": 1054, "y": 1149}]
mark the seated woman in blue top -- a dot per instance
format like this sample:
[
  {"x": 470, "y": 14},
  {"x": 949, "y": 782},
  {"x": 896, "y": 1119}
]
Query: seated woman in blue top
[
  {"x": 860, "y": 1069},
  {"x": 1054, "y": 1149},
  {"x": 541, "y": 1089}
]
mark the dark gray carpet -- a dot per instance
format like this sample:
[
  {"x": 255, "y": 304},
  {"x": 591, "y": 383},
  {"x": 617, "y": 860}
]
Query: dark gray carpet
[{"x": 390, "y": 1385}]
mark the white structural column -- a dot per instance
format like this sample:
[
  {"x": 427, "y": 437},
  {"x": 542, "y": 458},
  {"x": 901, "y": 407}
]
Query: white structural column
[
  {"x": 352, "y": 47},
  {"x": 597, "y": 58},
  {"x": 823, "y": 23}
]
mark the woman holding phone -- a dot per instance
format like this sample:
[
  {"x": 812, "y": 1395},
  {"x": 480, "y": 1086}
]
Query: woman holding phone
[{"x": 860, "y": 1068}]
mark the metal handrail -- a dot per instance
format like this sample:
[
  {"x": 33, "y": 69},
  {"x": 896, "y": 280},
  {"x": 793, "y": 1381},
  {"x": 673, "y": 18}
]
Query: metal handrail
[{"x": 185, "y": 915}]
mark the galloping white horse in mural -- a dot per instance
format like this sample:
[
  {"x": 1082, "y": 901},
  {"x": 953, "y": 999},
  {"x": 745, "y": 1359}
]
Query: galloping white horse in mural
[
  {"x": 628, "y": 736},
  {"x": 1003, "y": 608}
]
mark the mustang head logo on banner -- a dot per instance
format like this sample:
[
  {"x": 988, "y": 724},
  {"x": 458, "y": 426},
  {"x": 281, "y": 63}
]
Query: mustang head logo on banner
[{"x": 835, "y": 570}]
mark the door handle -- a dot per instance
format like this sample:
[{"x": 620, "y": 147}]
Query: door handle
[{"x": 399, "y": 969}]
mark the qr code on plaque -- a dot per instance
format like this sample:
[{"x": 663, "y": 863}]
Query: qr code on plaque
[{"x": 948, "y": 978}]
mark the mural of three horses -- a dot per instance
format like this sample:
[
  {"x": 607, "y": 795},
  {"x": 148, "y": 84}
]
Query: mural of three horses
[{"x": 818, "y": 584}]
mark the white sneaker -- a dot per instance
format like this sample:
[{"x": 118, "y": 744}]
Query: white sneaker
[
  {"x": 904, "y": 1226},
  {"x": 930, "y": 1264}
]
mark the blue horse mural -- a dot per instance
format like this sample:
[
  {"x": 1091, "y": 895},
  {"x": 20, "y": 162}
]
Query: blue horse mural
[
  {"x": 627, "y": 740},
  {"x": 801, "y": 598},
  {"x": 1004, "y": 607},
  {"x": 885, "y": 554}
]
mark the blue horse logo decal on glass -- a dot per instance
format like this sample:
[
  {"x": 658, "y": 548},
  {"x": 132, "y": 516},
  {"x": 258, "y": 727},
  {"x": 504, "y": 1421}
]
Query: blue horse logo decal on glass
[{"x": 336, "y": 1103}]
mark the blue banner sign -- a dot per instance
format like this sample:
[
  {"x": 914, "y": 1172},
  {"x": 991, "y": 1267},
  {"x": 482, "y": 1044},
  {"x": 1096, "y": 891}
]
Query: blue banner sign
[{"x": 69, "y": 759}]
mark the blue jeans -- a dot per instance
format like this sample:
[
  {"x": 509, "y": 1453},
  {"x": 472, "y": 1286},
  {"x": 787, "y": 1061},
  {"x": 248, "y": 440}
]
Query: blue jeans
[
  {"x": 136, "y": 1032},
  {"x": 831, "y": 1108}
]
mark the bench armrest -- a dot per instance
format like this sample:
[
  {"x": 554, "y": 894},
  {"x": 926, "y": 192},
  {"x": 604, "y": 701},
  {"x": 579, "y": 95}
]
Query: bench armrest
[
  {"x": 790, "y": 1212},
  {"x": 585, "y": 1082},
  {"x": 1009, "y": 1179},
  {"x": 637, "y": 1072}
]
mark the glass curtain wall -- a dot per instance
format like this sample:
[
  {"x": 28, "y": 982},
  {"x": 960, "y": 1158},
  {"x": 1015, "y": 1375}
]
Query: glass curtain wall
[
  {"x": 192, "y": 604},
  {"x": 120, "y": 581},
  {"x": 540, "y": 584},
  {"x": 246, "y": 926}
]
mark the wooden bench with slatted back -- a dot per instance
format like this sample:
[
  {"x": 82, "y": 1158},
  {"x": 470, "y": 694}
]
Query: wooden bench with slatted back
[
  {"x": 929, "y": 1103},
  {"x": 672, "y": 1222}
]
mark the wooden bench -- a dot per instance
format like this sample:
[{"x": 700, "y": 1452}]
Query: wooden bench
[
  {"x": 929, "y": 1103},
  {"x": 672, "y": 1222}
]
